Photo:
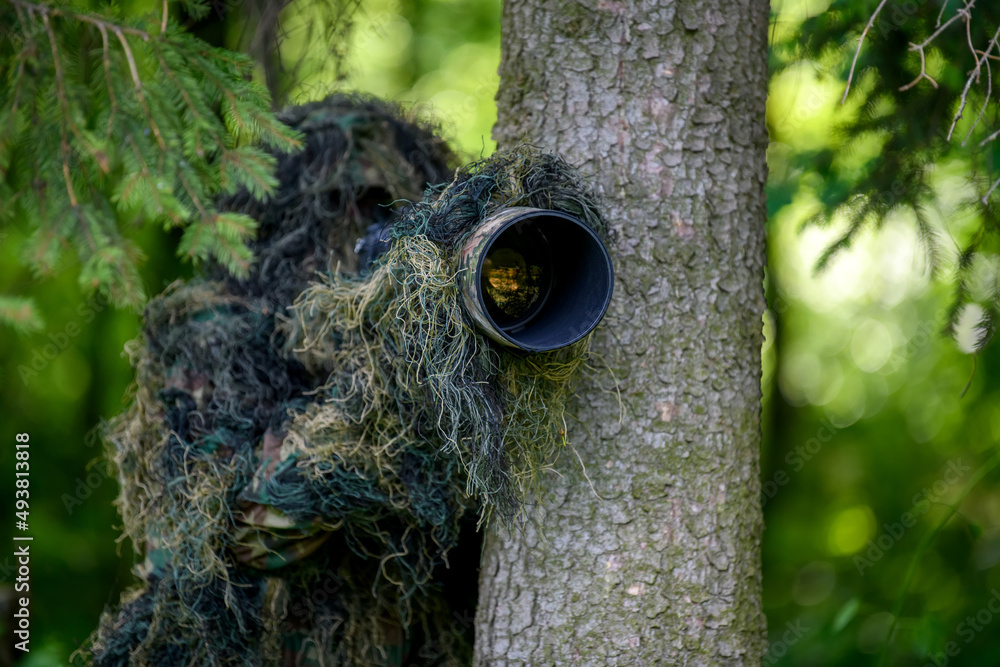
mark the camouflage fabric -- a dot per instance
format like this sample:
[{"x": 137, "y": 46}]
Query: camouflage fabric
[
  {"x": 266, "y": 537},
  {"x": 229, "y": 576},
  {"x": 309, "y": 450}
]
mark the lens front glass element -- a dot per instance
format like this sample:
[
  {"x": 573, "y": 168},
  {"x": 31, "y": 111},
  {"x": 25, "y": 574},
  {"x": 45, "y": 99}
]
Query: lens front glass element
[{"x": 516, "y": 275}]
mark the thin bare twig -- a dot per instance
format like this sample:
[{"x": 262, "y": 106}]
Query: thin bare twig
[
  {"x": 163, "y": 21},
  {"x": 22, "y": 19},
  {"x": 990, "y": 57},
  {"x": 944, "y": 5},
  {"x": 861, "y": 39},
  {"x": 968, "y": 32},
  {"x": 993, "y": 187},
  {"x": 989, "y": 92},
  {"x": 922, "y": 75},
  {"x": 136, "y": 81},
  {"x": 968, "y": 83},
  {"x": 989, "y": 138},
  {"x": 966, "y": 13}
]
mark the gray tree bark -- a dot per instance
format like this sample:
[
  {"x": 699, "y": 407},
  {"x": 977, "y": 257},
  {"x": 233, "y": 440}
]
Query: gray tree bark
[{"x": 663, "y": 103}]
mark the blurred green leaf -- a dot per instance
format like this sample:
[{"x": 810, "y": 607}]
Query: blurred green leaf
[{"x": 845, "y": 615}]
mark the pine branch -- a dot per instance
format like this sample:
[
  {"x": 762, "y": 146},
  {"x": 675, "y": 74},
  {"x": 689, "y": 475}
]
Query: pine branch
[
  {"x": 177, "y": 118},
  {"x": 952, "y": 120},
  {"x": 20, "y": 313}
]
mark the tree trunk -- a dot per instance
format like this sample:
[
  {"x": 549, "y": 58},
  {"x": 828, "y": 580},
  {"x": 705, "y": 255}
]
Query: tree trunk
[{"x": 663, "y": 104}]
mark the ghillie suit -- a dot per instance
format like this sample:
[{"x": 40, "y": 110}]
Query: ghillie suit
[{"x": 299, "y": 472}]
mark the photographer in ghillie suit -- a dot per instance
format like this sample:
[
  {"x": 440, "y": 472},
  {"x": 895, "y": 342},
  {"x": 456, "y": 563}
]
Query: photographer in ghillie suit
[{"x": 306, "y": 445}]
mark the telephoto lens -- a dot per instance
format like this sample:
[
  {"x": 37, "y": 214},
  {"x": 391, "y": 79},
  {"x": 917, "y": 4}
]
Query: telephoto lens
[{"x": 535, "y": 279}]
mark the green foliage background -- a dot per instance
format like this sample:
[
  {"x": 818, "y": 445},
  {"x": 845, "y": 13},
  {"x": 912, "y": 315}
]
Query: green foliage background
[
  {"x": 863, "y": 393},
  {"x": 882, "y": 506}
]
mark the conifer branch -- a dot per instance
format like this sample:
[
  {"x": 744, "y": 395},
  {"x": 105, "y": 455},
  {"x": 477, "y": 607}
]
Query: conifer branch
[
  {"x": 144, "y": 170},
  {"x": 64, "y": 118},
  {"x": 194, "y": 197},
  {"x": 158, "y": 106},
  {"x": 192, "y": 107},
  {"x": 857, "y": 52},
  {"x": 18, "y": 81},
  {"x": 106, "y": 62},
  {"x": 964, "y": 12},
  {"x": 138, "y": 87},
  {"x": 19, "y": 313},
  {"x": 974, "y": 75},
  {"x": 84, "y": 17}
]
